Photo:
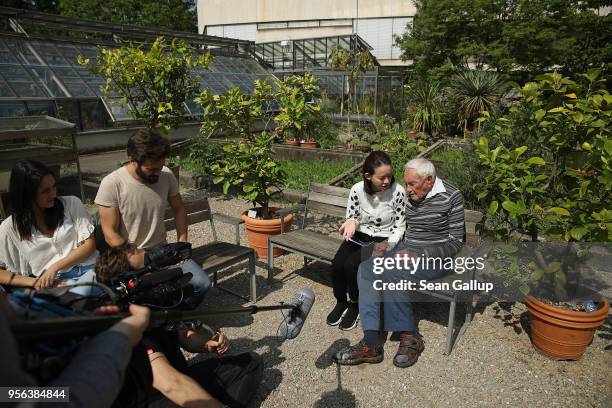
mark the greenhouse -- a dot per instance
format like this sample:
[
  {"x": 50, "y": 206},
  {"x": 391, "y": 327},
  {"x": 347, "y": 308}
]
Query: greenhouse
[
  {"x": 378, "y": 91},
  {"x": 41, "y": 76}
]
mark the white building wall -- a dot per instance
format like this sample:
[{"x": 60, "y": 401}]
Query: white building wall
[{"x": 376, "y": 21}]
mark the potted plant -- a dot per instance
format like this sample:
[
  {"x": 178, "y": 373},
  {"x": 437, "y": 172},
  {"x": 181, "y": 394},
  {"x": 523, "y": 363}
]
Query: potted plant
[
  {"x": 557, "y": 182},
  {"x": 252, "y": 169},
  {"x": 297, "y": 109}
]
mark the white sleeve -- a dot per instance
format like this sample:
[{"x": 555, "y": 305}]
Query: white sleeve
[
  {"x": 399, "y": 211},
  {"x": 80, "y": 216},
  {"x": 10, "y": 257},
  {"x": 353, "y": 208}
]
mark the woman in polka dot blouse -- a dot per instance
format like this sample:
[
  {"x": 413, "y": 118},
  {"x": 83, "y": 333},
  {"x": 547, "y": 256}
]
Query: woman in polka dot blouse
[{"x": 375, "y": 217}]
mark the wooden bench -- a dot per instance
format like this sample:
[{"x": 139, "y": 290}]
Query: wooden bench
[
  {"x": 217, "y": 255},
  {"x": 316, "y": 246}
]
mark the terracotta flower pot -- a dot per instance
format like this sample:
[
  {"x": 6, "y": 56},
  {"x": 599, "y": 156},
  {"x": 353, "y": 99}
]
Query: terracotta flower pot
[
  {"x": 563, "y": 334},
  {"x": 258, "y": 231},
  {"x": 292, "y": 142},
  {"x": 309, "y": 144}
]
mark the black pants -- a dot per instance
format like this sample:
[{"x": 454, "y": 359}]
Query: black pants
[
  {"x": 346, "y": 263},
  {"x": 232, "y": 380}
]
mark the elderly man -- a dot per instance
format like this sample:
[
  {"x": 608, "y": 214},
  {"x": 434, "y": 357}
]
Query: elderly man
[{"x": 435, "y": 227}]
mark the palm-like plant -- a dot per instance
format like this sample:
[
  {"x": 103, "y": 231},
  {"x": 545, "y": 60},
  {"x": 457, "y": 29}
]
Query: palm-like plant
[
  {"x": 425, "y": 109},
  {"x": 475, "y": 92}
]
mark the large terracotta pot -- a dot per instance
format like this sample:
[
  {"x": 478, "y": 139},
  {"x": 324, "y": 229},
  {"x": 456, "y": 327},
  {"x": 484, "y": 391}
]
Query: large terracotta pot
[
  {"x": 563, "y": 334},
  {"x": 292, "y": 142},
  {"x": 258, "y": 231}
]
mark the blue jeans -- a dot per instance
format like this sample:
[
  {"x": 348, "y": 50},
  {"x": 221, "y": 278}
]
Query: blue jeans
[
  {"x": 398, "y": 315},
  {"x": 199, "y": 280},
  {"x": 80, "y": 274}
]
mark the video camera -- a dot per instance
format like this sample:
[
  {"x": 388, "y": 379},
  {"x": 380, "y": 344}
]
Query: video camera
[{"x": 152, "y": 285}]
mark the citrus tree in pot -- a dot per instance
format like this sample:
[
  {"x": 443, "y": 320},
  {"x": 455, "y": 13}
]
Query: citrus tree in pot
[
  {"x": 551, "y": 174},
  {"x": 252, "y": 170},
  {"x": 298, "y": 110}
]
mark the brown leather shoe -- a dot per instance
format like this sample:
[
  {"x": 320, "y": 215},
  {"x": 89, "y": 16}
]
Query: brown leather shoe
[
  {"x": 410, "y": 348},
  {"x": 358, "y": 354}
]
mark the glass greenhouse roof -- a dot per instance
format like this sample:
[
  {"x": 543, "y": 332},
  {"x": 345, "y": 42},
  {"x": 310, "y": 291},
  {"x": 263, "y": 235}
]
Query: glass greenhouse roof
[
  {"x": 299, "y": 54},
  {"x": 45, "y": 69}
]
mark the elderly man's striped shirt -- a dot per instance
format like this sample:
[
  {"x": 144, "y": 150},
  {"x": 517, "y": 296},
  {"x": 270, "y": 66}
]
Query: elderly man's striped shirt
[{"x": 435, "y": 226}]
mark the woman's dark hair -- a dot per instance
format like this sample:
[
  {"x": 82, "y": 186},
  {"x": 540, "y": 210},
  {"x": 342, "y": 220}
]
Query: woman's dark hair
[
  {"x": 371, "y": 163},
  {"x": 147, "y": 144},
  {"x": 26, "y": 177}
]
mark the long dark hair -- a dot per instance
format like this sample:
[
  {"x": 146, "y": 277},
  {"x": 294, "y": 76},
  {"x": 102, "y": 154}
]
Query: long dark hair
[
  {"x": 26, "y": 177},
  {"x": 372, "y": 162}
]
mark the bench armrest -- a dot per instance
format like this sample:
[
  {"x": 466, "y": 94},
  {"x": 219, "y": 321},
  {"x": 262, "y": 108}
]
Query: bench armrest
[
  {"x": 285, "y": 211},
  {"x": 228, "y": 220}
]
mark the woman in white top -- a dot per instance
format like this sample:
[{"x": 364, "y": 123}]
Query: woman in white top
[
  {"x": 47, "y": 239},
  {"x": 374, "y": 217}
]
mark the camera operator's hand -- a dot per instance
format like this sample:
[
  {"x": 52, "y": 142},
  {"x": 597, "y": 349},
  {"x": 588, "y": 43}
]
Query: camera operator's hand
[
  {"x": 218, "y": 343},
  {"x": 132, "y": 326}
]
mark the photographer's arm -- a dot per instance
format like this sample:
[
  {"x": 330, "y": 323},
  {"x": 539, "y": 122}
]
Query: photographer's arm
[
  {"x": 108, "y": 353},
  {"x": 178, "y": 387},
  {"x": 180, "y": 217},
  {"x": 109, "y": 219}
]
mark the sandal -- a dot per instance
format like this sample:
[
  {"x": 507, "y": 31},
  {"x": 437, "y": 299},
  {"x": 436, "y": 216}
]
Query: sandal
[{"x": 410, "y": 348}]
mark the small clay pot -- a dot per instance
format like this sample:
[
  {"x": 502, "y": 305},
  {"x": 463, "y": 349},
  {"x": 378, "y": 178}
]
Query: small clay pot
[{"x": 309, "y": 144}]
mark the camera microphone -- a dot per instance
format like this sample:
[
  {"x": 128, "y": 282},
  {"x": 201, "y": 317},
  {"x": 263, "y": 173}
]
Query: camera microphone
[{"x": 293, "y": 322}]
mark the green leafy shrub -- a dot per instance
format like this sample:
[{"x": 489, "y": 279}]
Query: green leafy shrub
[
  {"x": 425, "y": 106},
  {"x": 233, "y": 112},
  {"x": 252, "y": 168},
  {"x": 154, "y": 83},
  {"x": 298, "y": 112},
  {"x": 569, "y": 135}
]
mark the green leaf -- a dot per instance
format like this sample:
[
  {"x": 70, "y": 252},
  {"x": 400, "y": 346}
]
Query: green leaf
[
  {"x": 536, "y": 160},
  {"x": 540, "y": 114},
  {"x": 578, "y": 232},
  {"x": 493, "y": 207},
  {"x": 559, "y": 211},
  {"x": 511, "y": 207}
]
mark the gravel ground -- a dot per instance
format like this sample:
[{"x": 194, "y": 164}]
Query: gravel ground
[{"x": 494, "y": 363}]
